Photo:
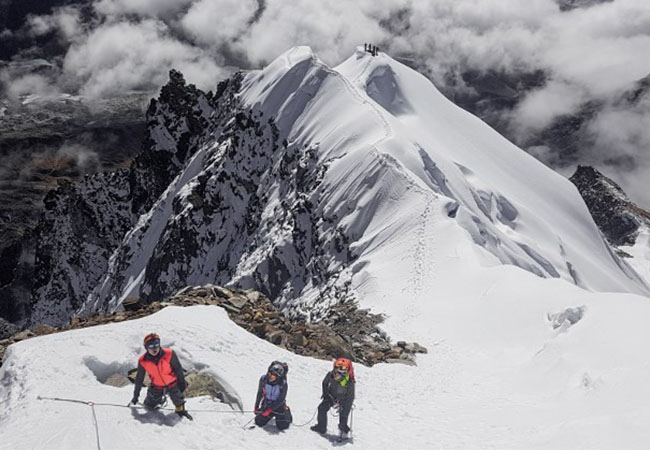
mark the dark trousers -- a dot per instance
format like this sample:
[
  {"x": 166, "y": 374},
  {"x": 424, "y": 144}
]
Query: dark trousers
[
  {"x": 282, "y": 418},
  {"x": 155, "y": 396},
  {"x": 344, "y": 412}
]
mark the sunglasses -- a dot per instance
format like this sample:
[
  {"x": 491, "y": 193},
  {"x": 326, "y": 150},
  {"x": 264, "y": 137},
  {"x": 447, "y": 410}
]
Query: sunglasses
[{"x": 153, "y": 346}]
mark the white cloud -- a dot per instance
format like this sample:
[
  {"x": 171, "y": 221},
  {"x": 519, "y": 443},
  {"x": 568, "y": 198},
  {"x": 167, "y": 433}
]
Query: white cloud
[
  {"x": 17, "y": 87},
  {"x": 218, "y": 23},
  {"x": 591, "y": 53},
  {"x": 331, "y": 27},
  {"x": 126, "y": 56},
  {"x": 540, "y": 107},
  {"x": 65, "y": 20},
  {"x": 141, "y": 8}
]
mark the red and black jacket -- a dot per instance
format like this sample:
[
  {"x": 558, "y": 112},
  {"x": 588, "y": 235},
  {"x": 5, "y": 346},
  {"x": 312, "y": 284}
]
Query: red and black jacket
[{"x": 164, "y": 369}]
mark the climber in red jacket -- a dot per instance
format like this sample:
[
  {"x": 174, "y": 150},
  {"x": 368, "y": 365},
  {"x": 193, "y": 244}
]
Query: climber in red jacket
[{"x": 166, "y": 374}]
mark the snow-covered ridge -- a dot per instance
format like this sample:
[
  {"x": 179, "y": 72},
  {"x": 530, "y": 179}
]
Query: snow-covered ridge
[
  {"x": 374, "y": 114},
  {"x": 297, "y": 185}
]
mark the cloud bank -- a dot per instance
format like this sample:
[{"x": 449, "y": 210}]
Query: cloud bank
[{"x": 590, "y": 55}]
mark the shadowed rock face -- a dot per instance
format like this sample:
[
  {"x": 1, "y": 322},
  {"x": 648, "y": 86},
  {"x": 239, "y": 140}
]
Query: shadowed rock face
[
  {"x": 617, "y": 217},
  {"x": 43, "y": 143},
  {"x": 84, "y": 222}
]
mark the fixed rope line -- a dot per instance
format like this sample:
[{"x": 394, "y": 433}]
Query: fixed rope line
[
  {"x": 93, "y": 404},
  {"x": 82, "y": 402},
  {"x": 246, "y": 424},
  {"x": 308, "y": 422},
  {"x": 92, "y": 407}
]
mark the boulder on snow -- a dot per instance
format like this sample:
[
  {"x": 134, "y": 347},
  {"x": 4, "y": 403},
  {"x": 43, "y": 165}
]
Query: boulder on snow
[
  {"x": 566, "y": 318},
  {"x": 132, "y": 304},
  {"x": 117, "y": 380},
  {"x": 25, "y": 334}
]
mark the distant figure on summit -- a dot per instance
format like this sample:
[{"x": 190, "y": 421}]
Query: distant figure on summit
[
  {"x": 166, "y": 374},
  {"x": 372, "y": 49}
]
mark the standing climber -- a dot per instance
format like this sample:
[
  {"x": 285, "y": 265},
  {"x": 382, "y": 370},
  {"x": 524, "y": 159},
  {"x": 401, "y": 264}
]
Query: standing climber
[
  {"x": 166, "y": 374},
  {"x": 271, "y": 400},
  {"x": 338, "y": 391}
]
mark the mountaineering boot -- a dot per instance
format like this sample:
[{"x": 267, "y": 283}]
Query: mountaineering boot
[
  {"x": 180, "y": 410},
  {"x": 318, "y": 429},
  {"x": 343, "y": 436}
]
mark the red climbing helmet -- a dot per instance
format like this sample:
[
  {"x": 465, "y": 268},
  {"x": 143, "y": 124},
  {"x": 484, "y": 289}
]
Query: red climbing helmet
[{"x": 344, "y": 365}]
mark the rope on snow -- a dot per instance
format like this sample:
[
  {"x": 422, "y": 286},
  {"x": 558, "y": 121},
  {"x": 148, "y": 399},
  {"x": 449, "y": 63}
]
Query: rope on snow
[
  {"x": 93, "y": 404},
  {"x": 135, "y": 406},
  {"x": 92, "y": 407},
  {"x": 308, "y": 422}
]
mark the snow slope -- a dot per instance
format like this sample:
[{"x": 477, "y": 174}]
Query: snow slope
[
  {"x": 468, "y": 245},
  {"x": 640, "y": 253},
  {"x": 497, "y": 376}
]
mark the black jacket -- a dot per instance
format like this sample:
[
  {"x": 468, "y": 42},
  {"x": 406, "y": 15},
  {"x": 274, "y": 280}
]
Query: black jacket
[
  {"x": 174, "y": 362},
  {"x": 343, "y": 395},
  {"x": 279, "y": 403}
]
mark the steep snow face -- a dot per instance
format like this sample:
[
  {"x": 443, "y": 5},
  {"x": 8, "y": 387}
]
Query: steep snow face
[{"x": 400, "y": 149}]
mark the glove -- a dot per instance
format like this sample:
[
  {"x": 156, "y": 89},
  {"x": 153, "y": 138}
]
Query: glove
[
  {"x": 257, "y": 411},
  {"x": 267, "y": 413}
]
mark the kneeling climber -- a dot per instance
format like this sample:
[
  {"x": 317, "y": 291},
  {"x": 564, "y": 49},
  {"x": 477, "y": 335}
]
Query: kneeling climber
[{"x": 271, "y": 400}]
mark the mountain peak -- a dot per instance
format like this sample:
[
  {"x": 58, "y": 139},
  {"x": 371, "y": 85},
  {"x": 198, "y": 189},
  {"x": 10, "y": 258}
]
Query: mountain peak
[{"x": 614, "y": 213}]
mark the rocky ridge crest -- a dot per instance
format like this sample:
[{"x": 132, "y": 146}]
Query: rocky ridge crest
[{"x": 346, "y": 331}]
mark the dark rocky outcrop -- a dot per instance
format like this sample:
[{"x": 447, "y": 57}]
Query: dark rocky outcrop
[
  {"x": 7, "y": 329},
  {"x": 83, "y": 223},
  {"x": 345, "y": 332},
  {"x": 617, "y": 217},
  {"x": 44, "y": 142}
]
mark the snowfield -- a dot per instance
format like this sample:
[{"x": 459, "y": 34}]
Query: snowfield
[{"x": 537, "y": 332}]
